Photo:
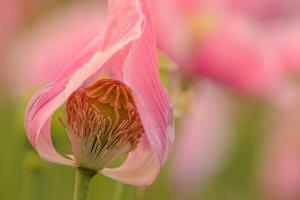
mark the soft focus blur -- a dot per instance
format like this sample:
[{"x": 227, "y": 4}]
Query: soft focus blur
[{"x": 230, "y": 66}]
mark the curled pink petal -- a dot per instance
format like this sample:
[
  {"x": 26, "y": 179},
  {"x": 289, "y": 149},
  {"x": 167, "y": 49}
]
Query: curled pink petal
[
  {"x": 140, "y": 72},
  {"x": 128, "y": 46}
]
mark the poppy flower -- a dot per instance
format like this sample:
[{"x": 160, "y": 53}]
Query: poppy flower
[{"x": 128, "y": 48}]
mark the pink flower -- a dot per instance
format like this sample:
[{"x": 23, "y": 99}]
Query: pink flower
[
  {"x": 231, "y": 56},
  {"x": 11, "y": 13},
  {"x": 280, "y": 172},
  {"x": 249, "y": 45},
  {"x": 40, "y": 54},
  {"x": 265, "y": 10},
  {"x": 11, "y": 19},
  {"x": 204, "y": 140},
  {"x": 128, "y": 48}
]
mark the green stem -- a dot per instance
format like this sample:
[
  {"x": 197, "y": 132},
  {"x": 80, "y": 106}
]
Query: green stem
[
  {"x": 82, "y": 183},
  {"x": 140, "y": 193},
  {"x": 118, "y": 191}
]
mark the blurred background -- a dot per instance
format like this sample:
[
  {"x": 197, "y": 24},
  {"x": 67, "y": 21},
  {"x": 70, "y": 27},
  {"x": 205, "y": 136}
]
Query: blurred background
[{"x": 231, "y": 67}]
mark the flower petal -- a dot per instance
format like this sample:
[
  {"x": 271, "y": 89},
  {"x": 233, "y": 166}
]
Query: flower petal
[
  {"x": 140, "y": 73},
  {"x": 139, "y": 168}
]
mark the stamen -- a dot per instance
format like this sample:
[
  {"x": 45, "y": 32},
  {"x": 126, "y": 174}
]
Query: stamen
[
  {"x": 126, "y": 102},
  {"x": 62, "y": 122},
  {"x": 116, "y": 103},
  {"x": 104, "y": 98},
  {"x": 103, "y": 123}
]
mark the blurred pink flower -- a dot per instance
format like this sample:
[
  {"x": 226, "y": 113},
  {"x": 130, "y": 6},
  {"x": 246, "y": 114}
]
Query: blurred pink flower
[
  {"x": 251, "y": 45},
  {"x": 11, "y": 19},
  {"x": 205, "y": 136},
  {"x": 245, "y": 44},
  {"x": 233, "y": 57},
  {"x": 40, "y": 54},
  {"x": 280, "y": 172},
  {"x": 127, "y": 46},
  {"x": 265, "y": 10}
]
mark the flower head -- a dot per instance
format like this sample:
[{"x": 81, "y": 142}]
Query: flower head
[
  {"x": 127, "y": 47},
  {"x": 103, "y": 123}
]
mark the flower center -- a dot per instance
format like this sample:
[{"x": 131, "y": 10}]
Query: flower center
[{"x": 103, "y": 123}]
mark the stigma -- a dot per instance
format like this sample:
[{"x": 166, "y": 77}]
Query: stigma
[{"x": 103, "y": 123}]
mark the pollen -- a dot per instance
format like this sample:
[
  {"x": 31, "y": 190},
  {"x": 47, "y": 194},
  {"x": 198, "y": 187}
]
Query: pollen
[{"x": 103, "y": 123}]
